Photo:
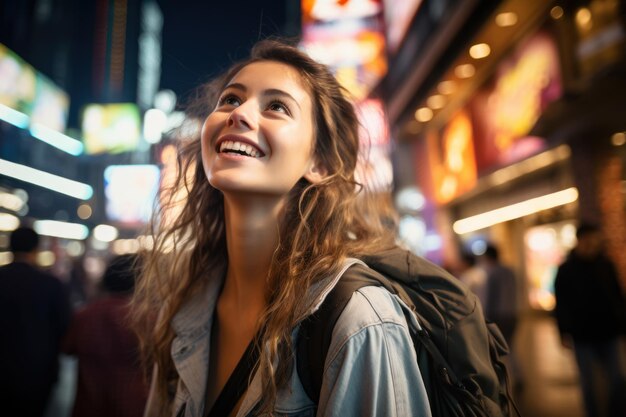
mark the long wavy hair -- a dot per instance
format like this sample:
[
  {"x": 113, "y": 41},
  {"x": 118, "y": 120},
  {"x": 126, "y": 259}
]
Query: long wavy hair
[{"x": 323, "y": 224}]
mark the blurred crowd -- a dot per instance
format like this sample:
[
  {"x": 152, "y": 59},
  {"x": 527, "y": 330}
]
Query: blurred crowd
[{"x": 40, "y": 324}]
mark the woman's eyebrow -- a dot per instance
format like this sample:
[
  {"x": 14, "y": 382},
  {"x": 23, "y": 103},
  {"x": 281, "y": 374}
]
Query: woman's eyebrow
[
  {"x": 281, "y": 93},
  {"x": 236, "y": 86},
  {"x": 266, "y": 93}
]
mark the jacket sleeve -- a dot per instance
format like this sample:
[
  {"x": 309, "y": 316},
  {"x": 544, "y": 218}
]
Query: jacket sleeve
[{"x": 371, "y": 368}]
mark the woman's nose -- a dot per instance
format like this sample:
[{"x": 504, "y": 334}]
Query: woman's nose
[{"x": 242, "y": 117}]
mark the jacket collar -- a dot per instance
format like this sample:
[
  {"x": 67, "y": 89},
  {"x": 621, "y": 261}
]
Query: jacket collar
[
  {"x": 253, "y": 395},
  {"x": 190, "y": 347},
  {"x": 196, "y": 314}
]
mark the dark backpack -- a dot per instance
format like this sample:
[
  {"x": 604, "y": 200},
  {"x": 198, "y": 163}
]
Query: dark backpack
[{"x": 458, "y": 352}]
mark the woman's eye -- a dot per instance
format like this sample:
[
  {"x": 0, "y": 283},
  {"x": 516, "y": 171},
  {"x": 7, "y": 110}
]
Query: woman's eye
[
  {"x": 230, "y": 100},
  {"x": 278, "y": 106}
]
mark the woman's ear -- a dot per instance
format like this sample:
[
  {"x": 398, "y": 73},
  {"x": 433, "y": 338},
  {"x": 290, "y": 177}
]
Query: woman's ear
[{"x": 316, "y": 172}]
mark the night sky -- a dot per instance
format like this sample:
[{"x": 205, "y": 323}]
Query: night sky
[{"x": 202, "y": 38}]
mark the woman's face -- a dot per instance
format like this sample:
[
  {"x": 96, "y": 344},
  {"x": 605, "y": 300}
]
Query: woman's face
[{"x": 259, "y": 138}]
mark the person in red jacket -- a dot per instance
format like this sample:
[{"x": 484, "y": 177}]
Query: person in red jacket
[{"x": 110, "y": 379}]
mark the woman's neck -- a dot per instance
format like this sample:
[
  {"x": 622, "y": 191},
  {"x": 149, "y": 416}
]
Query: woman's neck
[{"x": 252, "y": 237}]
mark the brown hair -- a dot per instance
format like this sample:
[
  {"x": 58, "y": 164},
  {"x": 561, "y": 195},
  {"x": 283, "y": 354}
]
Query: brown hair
[{"x": 323, "y": 224}]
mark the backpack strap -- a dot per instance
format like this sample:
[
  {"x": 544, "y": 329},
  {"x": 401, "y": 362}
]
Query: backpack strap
[{"x": 316, "y": 331}]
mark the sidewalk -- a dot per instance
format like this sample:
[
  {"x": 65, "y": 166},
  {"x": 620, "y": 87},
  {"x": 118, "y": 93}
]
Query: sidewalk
[
  {"x": 62, "y": 398},
  {"x": 550, "y": 375}
]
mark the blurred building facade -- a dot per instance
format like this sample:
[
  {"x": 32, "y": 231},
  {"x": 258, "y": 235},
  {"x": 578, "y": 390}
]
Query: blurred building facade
[
  {"x": 77, "y": 78},
  {"x": 508, "y": 116}
]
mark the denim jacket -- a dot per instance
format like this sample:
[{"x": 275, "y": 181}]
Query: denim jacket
[{"x": 370, "y": 370}]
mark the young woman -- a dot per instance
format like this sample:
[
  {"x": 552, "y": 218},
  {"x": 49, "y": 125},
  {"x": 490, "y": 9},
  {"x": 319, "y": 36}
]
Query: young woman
[{"x": 272, "y": 219}]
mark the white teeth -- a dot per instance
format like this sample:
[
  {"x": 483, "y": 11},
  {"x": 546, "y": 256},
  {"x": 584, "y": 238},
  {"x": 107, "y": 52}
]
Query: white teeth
[{"x": 230, "y": 145}]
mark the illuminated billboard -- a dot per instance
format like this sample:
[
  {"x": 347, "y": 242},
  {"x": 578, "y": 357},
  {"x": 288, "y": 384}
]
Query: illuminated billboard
[
  {"x": 507, "y": 107},
  {"x": 451, "y": 158},
  {"x": 130, "y": 192},
  {"x": 347, "y": 36},
  {"x": 24, "y": 89},
  {"x": 111, "y": 128}
]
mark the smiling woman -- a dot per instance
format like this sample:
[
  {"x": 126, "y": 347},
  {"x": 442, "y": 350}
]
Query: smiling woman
[
  {"x": 265, "y": 108},
  {"x": 273, "y": 219}
]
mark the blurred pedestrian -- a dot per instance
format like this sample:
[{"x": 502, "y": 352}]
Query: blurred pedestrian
[
  {"x": 110, "y": 380},
  {"x": 474, "y": 276},
  {"x": 34, "y": 314},
  {"x": 502, "y": 307},
  {"x": 591, "y": 316},
  {"x": 501, "y": 304}
]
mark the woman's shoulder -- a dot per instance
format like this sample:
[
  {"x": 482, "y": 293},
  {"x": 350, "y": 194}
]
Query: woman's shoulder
[
  {"x": 370, "y": 309},
  {"x": 376, "y": 300},
  {"x": 372, "y": 353}
]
